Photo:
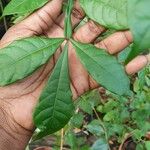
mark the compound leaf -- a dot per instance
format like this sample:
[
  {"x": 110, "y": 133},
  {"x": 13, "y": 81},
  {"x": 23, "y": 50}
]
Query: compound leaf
[
  {"x": 109, "y": 13},
  {"x": 139, "y": 23},
  {"x": 24, "y": 56},
  {"x": 103, "y": 67},
  {"x": 22, "y": 7},
  {"x": 55, "y": 107}
]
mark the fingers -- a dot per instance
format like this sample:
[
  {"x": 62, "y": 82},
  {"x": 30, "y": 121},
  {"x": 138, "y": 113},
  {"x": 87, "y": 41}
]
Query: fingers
[
  {"x": 42, "y": 19},
  {"x": 79, "y": 77},
  {"x": 76, "y": 17},
  {"x": 57, "y": 29},
  {"x": 137, "y": 64},
  {"x": 116, "y": 42},
  {"x": 88, "y": 32},
  {"x": 35, "y": 24}
]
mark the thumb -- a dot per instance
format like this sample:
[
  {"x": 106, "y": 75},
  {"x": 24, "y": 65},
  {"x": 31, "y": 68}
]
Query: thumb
[
  {"x": 35, "y": 24},
  {"x": 42, "y": 19}
]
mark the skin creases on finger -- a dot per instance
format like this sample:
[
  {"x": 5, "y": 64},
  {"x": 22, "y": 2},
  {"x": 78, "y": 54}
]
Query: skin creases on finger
[
  {"x": 35, "y": 24},
  {"x": 42, "y": 19},
  {"x": 80, "y": 79},
  {"x": 137, "y": 64},
  {"x": 76, "y": 16},
  {"x": 116, "y": 42},
  {"x": 88, "y": 32},
  {"x": 78, "y": 75}
]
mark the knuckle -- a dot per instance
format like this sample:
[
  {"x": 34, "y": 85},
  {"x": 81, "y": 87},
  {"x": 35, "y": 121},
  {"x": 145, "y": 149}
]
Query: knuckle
[
  {"x": 94, "y": 28},
  {"x": 76, "y": 37},
  {"x": 77, "y": 13},
  {"x": 101, "y": 45},
  {"x": 127, "y": 37}
]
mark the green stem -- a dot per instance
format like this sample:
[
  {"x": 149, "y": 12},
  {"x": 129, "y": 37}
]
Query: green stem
[
  {"x": 102, "y": 125},
  {"x": 68, "y": 24}
]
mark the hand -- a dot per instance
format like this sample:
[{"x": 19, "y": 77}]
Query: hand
[{"x": 18, "y": 100}]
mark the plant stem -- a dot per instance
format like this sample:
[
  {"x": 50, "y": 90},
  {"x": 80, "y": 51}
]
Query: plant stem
[
  {"x": 4, "y": 18},
  {"x": 68, "y": 24},
  {"x": 101, "y": 123},
  {"x": 62, "y": 139}
]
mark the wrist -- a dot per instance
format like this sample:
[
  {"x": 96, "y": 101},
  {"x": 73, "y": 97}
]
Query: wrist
[{"x": 12, "y": 135}]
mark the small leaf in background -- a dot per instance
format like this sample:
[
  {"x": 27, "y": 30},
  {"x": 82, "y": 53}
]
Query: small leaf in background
[
  {"x": 85, "y": 147},
  {"x": 139, "y": 24},
  {"x": 110, "y": 116},
  {"x": 21, "y": 7},
  {"x": 111, "y": 14},
  {"x": 110, "y": 105},
  {"x": 71, "y": 140},
  {"x": 95, "y": 128},
  {"x": 84, "y": 105},
  {"x": 55, "y": 107},
  {"x": 68, "y": 25},
  {"x": 24, "y": 56},
  {"x": 88, "y": 101},
  {"x": 93, "y": 98},
  {"x": 124, "y": 54},
  {"x": 103, "y": 67},
  {"x": 147, "y": 145},
  {"x": 77, "y": 120},
  {"x": 140, "y": 147},
  {"x": 115, "y": 129},
  {"x": 138, "y": 134},
  {"x": 100, "y": 144}
]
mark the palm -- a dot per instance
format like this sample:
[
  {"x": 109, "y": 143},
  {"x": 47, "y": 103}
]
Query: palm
[
  {"x": 23, "y": 96},
  {"x": 20, "y": 98}
]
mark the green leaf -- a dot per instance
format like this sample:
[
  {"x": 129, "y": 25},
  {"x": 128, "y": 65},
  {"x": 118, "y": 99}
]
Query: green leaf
[
  {"x": 95, "y": 128},
  {"x": 85, "y": 105},
  {"x": 147, "y": 145},
  {"x": 110, "y": 105},
  {"x": 138, "y": 134},
  {"x": 55, "y": 107},
  {"x": 140, "y": 147},
  {"x": 115, "y": 129},
  {"x": 100, "y": 144},
  {"x": 109, "y": 13},
  {"x": 71, "y": 140},
  {"x": 122, "y": 56},
  {"x": 24, "y": 56},
  {"x": 139, "y": 23},
  {"x": 103, "y": 67},
  {"x": 68, "y": 25},
  {"x": 93, "y": 98},
  {"x": 22, "y": 7},
  {"x": 77, "y": 120},
  {"x": 110, "y": 116}
]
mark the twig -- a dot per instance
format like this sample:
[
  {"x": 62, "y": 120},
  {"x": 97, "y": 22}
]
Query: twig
[
  {"x": 101, "y": 123},
  {"x": 62, "y": 139},
  {"x": 4, "y": 18}
]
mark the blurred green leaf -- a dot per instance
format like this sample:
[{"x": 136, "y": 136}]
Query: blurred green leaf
[
  {"x": 95, "y": 128},
  {"x": 77, "y": 120},
  {"x": 71, "y": 140},
  {"x": 147, "y": 145},
  {"x": 85, "y": 106},
  {"x": 140, "y": 147},
  {"x": 100, "y": 144}
]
